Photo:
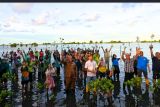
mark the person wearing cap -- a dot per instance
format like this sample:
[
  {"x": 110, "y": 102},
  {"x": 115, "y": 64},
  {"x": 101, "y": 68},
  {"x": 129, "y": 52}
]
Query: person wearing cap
[
  {"x": 142, "y": 65},
  {"x": 91, "y": 69},
  {"x": 128, "y": 66}
]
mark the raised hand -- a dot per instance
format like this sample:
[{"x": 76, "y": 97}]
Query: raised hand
[
  {"x": 151, "y": 46},
  {"x": 130, "y": 49}
]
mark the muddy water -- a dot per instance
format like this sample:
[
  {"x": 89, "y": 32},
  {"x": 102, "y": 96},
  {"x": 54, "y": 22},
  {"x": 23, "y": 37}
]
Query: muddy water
[{"x": 120, "y": 98}]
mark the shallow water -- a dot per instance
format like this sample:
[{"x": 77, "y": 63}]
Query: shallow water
[{"x": 32, "y": 98}]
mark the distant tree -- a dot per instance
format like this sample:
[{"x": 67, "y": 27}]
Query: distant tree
[
  {"x": 90, "y": 41},
  {"x": 46, "y": 43},
  {"x": 73, "y": 42},
  {"x": 119, "y": 41},
  {"x": 34, "y": 44},
  {"x": 96, "y": 42},
  {"x": 101, "y": 41},
  {"x": 21, "y": 44},
  {"x": 13, "y": 45},
  {"x": 154, "y": 41}
]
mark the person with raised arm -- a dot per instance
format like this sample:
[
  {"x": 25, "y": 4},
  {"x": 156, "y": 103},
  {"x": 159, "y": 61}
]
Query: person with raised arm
[
  {"x": 115, "y": 65},
  {"x": 107, "y": 55},
  {"x": 128, "y": 66},
  {"x": 142, "y": 65},
  {"x": 155, "y": 64}
]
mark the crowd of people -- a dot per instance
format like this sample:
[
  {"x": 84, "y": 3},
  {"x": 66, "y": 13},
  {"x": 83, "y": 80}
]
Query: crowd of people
[{"x": 86, "y": 64}]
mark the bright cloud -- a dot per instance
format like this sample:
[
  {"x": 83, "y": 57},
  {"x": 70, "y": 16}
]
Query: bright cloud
[{"x": 21, "y": 7}]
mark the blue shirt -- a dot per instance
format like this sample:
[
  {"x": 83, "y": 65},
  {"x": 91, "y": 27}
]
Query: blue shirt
[
  {"x": 142, "y": 63},
  {"x": 115, "y": 61}
]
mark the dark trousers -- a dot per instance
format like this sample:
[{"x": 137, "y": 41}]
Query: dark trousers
[
  {"x": 102, "y": 75},
  {"x": 116, "y": 72},
  {"x": 128, "y": 76},
  {"x": 58, "y": 71}
]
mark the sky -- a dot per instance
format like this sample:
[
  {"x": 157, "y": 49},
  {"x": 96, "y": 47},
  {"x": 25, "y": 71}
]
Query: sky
[{"x": 48, "y": 22}]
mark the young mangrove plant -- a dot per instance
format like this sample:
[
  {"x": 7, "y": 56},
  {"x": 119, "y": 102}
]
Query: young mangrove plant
[
  {"x": 134, "y": 82},
  {"x": 103, "y": 85}
]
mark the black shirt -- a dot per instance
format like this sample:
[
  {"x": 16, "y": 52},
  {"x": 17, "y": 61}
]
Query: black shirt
[{"x": 155, "y": 64}]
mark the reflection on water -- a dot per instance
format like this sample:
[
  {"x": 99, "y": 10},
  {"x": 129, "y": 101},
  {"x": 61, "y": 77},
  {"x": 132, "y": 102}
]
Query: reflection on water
[
  {"x": 122, "y": 97},
  {"x": 128, "y": 97}
]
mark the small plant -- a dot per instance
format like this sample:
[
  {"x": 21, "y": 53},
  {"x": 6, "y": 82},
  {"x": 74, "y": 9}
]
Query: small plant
[
  {"x": 134, "y": 82},
  {"x": 4, "y": 94},
  {"x": 9, "y": 76},
  {"x": 52, "y": 97},
  {"x": 156, "y": 86},
  {"x": 40, "y": 86},
  {"x": 103, "y": 85}
]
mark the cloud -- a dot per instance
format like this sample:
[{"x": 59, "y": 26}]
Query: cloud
[
  {"x": 44, "y": 17},
  {"x": 13, "y": 19},
  {"x": 92, "y": 17},
  {"x": 128, "y": 5},
  {"x": 41, "y": 19},
  {"x": 6, "y": 25},
  {"x": 14, "y": 24},
  {"x": 88, "y": 26},
  {"x": 22, "y": 7}
]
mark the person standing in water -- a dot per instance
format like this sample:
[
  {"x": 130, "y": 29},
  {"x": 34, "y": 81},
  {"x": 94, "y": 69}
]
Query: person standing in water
[
  {"x": 115, "y": 65},
  {"x": 91, "y": 69},
  {"x": 107, "y": 55},
  {"x": 155, "y": 64},
  {"x": 142, "y": 64},
  {"x": 102, "y": 68},
  {"x": 128, "y": 66},
  {"x": 25, "y": 75},
  {"x": 70, "y": 73},
  {"x": 49, "y": 78}
]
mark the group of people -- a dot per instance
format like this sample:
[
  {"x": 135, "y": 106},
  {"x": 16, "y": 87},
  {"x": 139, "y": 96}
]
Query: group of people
[{"x": 85, "y": 64}]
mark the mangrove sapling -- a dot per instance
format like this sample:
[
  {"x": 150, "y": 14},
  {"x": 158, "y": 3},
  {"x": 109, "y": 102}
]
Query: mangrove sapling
[
  {"x": 52, "y": 97},
  {"x": 40, "y": 87},
  {"x": 102, "y": 86},
  {"x": 134, "y": 82},
  {"x": 4, "y": 94},
  {"x": 156, "y": 86}
]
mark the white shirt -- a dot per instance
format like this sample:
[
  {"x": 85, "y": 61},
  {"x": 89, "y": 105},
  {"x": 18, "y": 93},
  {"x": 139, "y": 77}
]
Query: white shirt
[{"x": 90, "y": 65}]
